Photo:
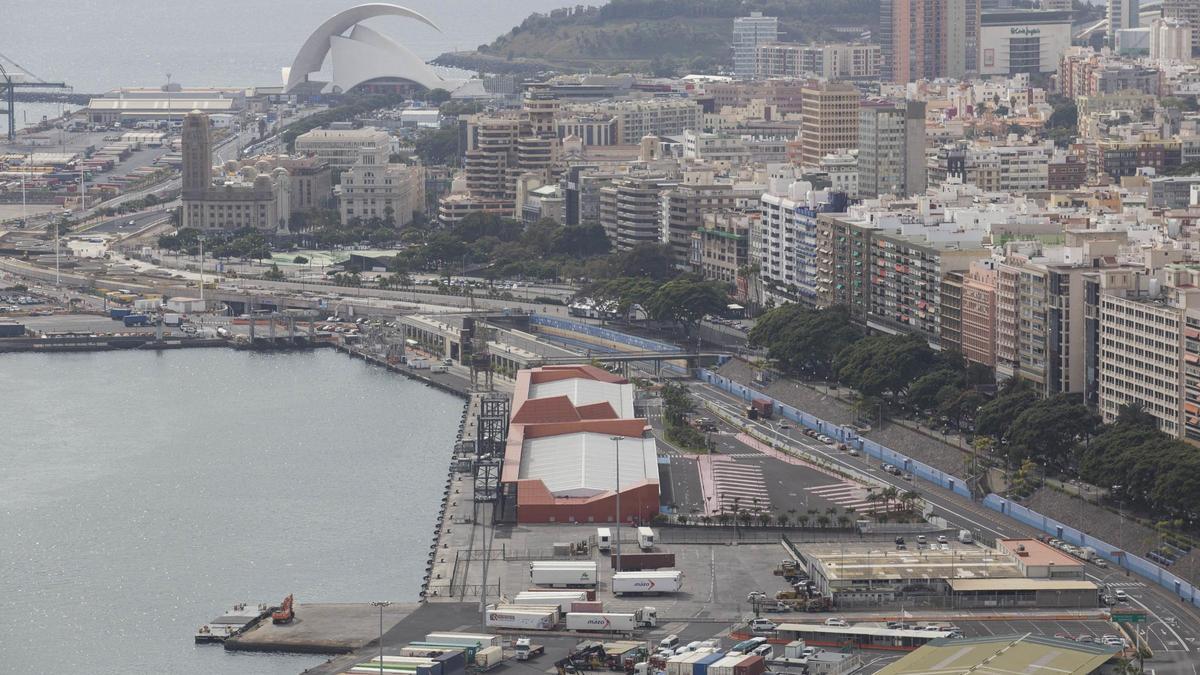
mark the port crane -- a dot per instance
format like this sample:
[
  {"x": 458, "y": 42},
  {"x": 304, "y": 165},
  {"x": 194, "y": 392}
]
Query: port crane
[{"x": 9, "y": 81}]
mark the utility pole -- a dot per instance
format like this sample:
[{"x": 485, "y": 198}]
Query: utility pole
[
  {"x": 617, "y": 440},
  {"x": 202, "y": 305}
]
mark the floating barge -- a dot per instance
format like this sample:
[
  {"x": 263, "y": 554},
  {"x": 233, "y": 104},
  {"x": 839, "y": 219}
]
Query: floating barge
[{"x": 231, "y": 623}]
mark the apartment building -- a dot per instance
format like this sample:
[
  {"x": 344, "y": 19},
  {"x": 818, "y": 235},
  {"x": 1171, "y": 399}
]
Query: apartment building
[
  {"x": 631, "y": 209},
  {"x": 907, "y": 275},
  {"x": 638, "y": 118},
  {"x": 748, "y": 33},
  {"x": 341, "y": 148},
  {"x": 787, "y": 237},
  {"x": 833, "y": 61},
  {"x": 377, "y": 188},
  {"x": 978, "y": 313},
  {"x": 994, "y": 168},
  {"x": 1123, "y": 158},
  {"x": 1144, "y": 357},
  {"x": 721, "y": 245},
  {"x": 928, "y": 39},
  {"x": 829, "y": 121},
  {"x": 1187, "y": 11},
  {"x": 686, "y": 205},
  {"x": 891, "y": 147}
]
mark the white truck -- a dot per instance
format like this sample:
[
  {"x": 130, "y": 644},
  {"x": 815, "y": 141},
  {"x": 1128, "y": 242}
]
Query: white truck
[
  {"x": 562, "y": 599},
  {"x": 521, "y": 617},
  {"x": 563, "y": 574},
  {"x": 965, "y": 537},
  {"x": 646, "y": 617},
  {"x": 603, "y": 538},
  {"x": 647, "y": 581},
  {"x": 525, "y": 649},
  {"x": 645, "y": 538}
]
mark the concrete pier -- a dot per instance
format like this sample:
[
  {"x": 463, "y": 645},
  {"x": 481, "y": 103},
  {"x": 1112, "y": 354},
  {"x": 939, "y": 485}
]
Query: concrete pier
[{"x": 321, "y": 628}]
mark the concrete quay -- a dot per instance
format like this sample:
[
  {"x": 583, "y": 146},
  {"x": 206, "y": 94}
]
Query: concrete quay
[{"x": 321, "y": 628}]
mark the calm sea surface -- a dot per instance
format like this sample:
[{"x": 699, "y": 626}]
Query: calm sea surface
[
  {"x": 143, "y": 493},
  {"x": 96, "y": 45}
]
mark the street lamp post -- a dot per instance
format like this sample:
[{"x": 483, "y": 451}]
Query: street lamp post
[
  {"x": 617, "y": 440},
  {"x": 200, "y": 238},
  {"x": 380, "y": 604}
]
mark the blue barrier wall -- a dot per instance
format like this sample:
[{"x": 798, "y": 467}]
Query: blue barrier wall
[
  {"x": 1183, "y": 589},
  {"x": 645, "y": 344}
]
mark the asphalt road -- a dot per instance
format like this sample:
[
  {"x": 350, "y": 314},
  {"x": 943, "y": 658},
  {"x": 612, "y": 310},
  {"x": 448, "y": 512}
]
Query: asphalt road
[{"x": 1173, "y": 628}]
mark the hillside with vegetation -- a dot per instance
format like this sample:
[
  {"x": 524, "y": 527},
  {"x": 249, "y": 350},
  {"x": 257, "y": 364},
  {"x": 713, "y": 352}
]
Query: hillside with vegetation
[{"x": 662, "y": 36}]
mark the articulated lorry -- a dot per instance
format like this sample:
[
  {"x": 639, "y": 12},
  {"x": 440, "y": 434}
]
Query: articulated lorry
[
  {"x": 646, "y": 617},
  {"x": 563, "y": 574}
]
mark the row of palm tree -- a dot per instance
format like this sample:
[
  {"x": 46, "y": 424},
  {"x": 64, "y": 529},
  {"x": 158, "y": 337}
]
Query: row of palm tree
[{"x": 892, "y": 496}]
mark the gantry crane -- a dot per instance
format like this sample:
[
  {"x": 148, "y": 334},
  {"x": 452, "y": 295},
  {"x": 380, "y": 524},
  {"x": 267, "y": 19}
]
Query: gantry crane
[{"x": 8, "y": 91}]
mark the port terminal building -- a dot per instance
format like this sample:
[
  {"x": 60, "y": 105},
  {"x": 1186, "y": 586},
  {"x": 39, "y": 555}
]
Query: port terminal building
[
  {"x": 574, "y": 444},
  {"x": 1018, "y": 573}
]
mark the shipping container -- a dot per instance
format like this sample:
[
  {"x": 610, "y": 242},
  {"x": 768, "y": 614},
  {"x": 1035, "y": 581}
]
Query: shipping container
[
  {"x": 751, "y": 665},
  {"x": 564, "y": 574},
  {"x": 587, "y": 606},
  {"x": 562, "y": 599},
  {"x": 701, "y": 667},
  {"x": 645, "y": 538},
  {"x": 603, "y": 538},
  {"x": 725, "y": 665},
  {"x": 632, "y": 562},
  {"x": 468, "y": 651},
  {"x": 489, "y": 657},
  {"x": 521, "y": 617},
  {"x": 465, "y": 639},
  {"x": 119, "y": 312},
  {"x": 648, "y": 581},
  {"x": 136, "y": 320}
]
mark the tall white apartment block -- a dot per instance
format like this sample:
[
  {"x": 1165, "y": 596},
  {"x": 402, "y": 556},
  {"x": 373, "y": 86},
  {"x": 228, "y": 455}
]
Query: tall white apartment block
[{"x": 748, "y": 33}]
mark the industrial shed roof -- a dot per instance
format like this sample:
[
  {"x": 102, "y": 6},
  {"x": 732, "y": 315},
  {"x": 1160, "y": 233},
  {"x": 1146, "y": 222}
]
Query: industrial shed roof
[{"x": 584, "y": 464}]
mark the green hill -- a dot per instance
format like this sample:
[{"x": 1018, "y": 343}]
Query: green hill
[{"x": 661, "y": 34}]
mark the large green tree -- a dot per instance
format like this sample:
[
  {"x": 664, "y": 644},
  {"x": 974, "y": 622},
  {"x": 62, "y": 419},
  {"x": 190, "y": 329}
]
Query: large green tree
[
  {"x": 802, "y": 340},
  {"x": 884, "y": 365},
  {"x": 686, "y": 300}
]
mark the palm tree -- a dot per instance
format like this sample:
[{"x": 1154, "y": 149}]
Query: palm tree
[
  {"x": 783, "y": 519},
  {"x": 745, "y": 517},
  {"x": 724, "y": 517},
  {"x": 823, "y": 521},
  {"x": 873, "y": 499},
  {"x": 706, "y": 519},
  {"x": 682, "y": 518},
  {"x": 764, "y": 518},
  {"x": 843, "y": 521},
  {"x": 803, "y": 519},
  {"x": 831, "y": 511},
  {"x": 889, "y": 494},
  {"x": 910, "y": 498}
]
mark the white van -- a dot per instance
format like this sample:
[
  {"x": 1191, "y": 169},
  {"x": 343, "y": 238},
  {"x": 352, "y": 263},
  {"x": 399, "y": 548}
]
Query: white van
[{"x": 603, "y": 538}]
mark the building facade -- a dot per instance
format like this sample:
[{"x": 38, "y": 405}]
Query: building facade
[
  {"x": 748, "y": 33},
  {"x": 1023, "y": 41},
  {"x": 891, "y": 147},
  {"x": 830, "y": 121},
  {"x": 377, "y": 188},
  {"x": 340, "y": 148}
]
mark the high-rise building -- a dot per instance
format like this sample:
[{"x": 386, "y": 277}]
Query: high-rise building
[
  {"x": 1023, "y": 41},
  {"x": 829, "y": 121},
  {"x": 631, "y": 210},
  {"x": 891, "y": 147},
  {"x": 928, "y": 39},
  {"x": 1185, "y": 10},
  {"x": 1170, "y": 39},
  {"x": 684, "y": 207},
  {"x": 832, "y": 61},
  {"x": 748, "y": 33},
  {"x": 1122, "y": 14},
  {"x": 971, "y": 34}
]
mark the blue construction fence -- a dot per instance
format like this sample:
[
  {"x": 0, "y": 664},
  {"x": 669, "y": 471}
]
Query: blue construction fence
[
  {"x": 1182, "y": 588},
  {"x": 599, "y": 332},
  {"x": 842, "y": 434}
]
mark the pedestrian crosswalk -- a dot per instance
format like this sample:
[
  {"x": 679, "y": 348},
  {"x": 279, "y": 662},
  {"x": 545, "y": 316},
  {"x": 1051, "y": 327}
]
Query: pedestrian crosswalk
[
  {"x": 739, "y": 486},
  {"x": 848, "y": 495},
  {"x": 1125, "y": 584}
]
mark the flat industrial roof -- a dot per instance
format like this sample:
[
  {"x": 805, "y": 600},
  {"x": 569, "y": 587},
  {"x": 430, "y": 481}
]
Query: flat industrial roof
[
  {"x": 582, "y": 391},
  {"x": 864, "y": 562},
  {"x": 1021, "y": 584},
  {"x": 1002, "y": 655},
  {"x": 878, "y": 631},
  {"x": 1034, "y": 552},
  {"x": 584, "y": 464}
]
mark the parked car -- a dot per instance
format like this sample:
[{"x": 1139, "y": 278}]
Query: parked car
[{"x": 839, "y": 623}]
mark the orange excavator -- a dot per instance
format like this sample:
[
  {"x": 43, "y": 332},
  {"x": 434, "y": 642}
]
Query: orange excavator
[{"x": 285, "y": 613}]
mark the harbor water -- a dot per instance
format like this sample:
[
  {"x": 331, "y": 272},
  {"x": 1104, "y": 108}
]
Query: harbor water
[{"x": 144, "y": 493}]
